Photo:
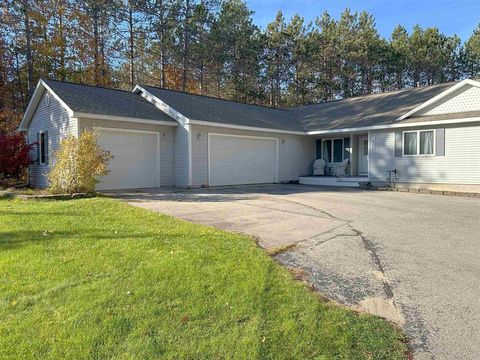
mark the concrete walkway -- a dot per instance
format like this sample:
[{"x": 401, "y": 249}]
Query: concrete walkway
[{"x": 414, "y": 259}]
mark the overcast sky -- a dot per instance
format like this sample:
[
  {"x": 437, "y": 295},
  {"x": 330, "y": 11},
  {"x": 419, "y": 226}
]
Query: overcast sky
[{"x": 459, "y": 17}]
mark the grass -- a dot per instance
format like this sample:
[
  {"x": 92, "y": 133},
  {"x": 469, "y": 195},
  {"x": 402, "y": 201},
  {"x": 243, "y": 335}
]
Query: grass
[{"x": 96, "y": 278}]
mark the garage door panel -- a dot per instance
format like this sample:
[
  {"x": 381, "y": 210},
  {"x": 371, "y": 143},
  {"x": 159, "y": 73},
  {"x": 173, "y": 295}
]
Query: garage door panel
[
  {"x": 135, "y": 159},
  {"x": 242, "y": 160}
]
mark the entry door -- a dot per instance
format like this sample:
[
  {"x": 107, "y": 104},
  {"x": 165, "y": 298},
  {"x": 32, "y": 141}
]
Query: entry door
[{"x": 363, "y": 155}]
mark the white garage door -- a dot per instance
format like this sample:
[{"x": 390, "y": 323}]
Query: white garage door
[
  {"x": 135, "y": 159},
  {"x": 235, "y": 160}
]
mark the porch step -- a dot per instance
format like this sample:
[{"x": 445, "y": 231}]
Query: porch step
[{"x": 345, "y": 181}]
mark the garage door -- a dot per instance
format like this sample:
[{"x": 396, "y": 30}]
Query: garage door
[
  {"x": 135, "y": 159},
  {"x": 235, "y": 160}
]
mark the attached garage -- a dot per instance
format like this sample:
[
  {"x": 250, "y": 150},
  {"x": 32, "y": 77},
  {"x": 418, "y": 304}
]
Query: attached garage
[
  {"x": 237, "y": 159},
  {"x": 136, "y": 158}
]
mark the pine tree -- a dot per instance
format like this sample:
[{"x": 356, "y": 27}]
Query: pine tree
[{"x": 471, "y": 55}]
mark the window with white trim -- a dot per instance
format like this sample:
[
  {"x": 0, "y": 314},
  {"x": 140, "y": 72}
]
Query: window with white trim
[
  {"x": 43, "y": 147},
  {"x": 418, "y": 143},
  {"x": 335, "y": 150}
]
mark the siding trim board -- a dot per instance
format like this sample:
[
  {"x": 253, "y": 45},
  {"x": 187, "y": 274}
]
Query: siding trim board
[{"x": 182, "y": 119}]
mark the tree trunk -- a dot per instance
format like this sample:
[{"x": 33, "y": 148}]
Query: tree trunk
[
  {"x": 62, "y": 70},
  {"x": 131, "y": 40},
  {"x": 159, "y": 6},
  {"x": 96, "y": 55},
  {"x": 28, "y": 41},
  {"x": 186, "y": 37}
]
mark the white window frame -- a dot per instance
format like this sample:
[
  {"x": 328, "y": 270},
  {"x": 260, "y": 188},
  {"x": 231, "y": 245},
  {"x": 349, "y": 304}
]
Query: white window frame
[
  {"x": 40, "y": 148},
  {"x": 418, "y": 142},
  {"x": 343, "y": 148}
]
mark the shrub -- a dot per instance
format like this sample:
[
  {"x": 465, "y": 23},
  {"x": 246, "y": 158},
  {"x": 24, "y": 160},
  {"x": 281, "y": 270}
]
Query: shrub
[
  {"x": 78, "y": 164},
  {"x": 14, "y": 156}
]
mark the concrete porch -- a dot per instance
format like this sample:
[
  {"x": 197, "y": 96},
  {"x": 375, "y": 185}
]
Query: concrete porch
[{"x": 345, "y": 181}]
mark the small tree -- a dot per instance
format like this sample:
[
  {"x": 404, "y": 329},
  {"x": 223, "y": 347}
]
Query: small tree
[
  {"x": 78, "y": 164},
  {"x": 14, "y": 156}
]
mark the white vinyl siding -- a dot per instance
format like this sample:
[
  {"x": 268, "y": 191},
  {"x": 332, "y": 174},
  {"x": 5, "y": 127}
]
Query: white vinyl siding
[
  {"x": 167, "y": 143},
  {"x": 296, "y": 153},
  {"x": 182, "y": 155},
  {"x": 459, "y": 165},
  {"x": 50, "y": 116}
]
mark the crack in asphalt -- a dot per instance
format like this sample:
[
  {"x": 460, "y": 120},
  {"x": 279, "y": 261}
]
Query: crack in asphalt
[
  {"x": 367, "y": 243},
  {"x": 284, "y": 211},
  {"x": 370, "y": 247}
]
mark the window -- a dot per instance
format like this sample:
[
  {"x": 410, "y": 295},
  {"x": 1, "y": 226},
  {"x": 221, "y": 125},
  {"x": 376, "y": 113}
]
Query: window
[
  {"x": 43, "y": 147},
  {"x": 365, "y": 147},
  {"x": 327, "y": 151},
  {"x": 318, "y": 149},
  {"x": 426, "y": 142},
  {"x": 419, "y": 142},
  {"x": 335, "y": 150}
]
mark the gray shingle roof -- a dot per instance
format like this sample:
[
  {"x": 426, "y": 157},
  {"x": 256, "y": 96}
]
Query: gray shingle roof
[
  {"x": 204, "y": 108},
  {"x": 103, "y": 101},
  {"x": 361, "y": 111},
  {"x": 355, "y": 112}
]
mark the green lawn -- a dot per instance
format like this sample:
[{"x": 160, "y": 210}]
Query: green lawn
[{"x": 96, "y": 278}]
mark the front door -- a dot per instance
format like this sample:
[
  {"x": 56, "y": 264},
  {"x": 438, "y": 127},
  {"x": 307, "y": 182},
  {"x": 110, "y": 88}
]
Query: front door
[{"x": 363, "y": 155}]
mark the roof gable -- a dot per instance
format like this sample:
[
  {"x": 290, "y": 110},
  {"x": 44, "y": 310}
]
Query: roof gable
[
  {"x": 219, "y": 111},
  {"x": 35, "y": 100},
  {"x": 365, "y": 111},
  {"x": 91, "y": 101},
  {"x": 463, "y": 100},
  {"x": 450, "y": 94}
]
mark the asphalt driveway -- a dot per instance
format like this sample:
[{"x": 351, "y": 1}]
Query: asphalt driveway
[{"x": 414, "y": 259}]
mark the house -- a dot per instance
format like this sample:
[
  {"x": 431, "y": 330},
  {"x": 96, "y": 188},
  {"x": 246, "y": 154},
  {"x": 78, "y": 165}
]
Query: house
[{"x": 429, "y": 135}]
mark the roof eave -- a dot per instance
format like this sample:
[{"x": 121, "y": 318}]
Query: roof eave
[
  {"x": 123, "y": 118},
  {"x": 395, "y": 125}
]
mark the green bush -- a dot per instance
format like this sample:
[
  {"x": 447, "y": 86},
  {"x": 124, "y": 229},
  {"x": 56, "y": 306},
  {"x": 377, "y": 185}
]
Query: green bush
[{"x": 78, "y": 164}]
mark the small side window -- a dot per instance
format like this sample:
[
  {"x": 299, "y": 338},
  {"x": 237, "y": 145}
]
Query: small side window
[{"x": 43, "y": 147}]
